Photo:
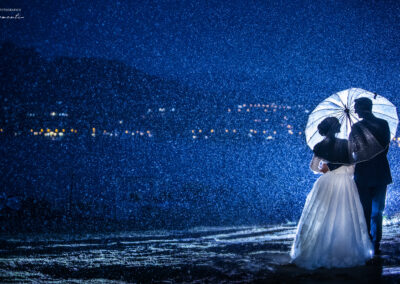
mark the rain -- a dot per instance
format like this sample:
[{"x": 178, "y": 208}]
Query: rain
[{"x": 150, "y": 141}]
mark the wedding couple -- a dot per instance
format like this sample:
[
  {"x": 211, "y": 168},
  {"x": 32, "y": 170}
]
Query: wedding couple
[{"x": 341, "y": 223}]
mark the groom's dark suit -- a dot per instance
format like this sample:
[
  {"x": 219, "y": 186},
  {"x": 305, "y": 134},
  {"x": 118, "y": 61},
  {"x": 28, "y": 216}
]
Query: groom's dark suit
[{"x": 373, "y": 176}]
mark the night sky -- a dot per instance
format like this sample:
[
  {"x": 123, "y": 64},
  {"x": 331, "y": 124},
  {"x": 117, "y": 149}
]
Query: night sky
[{"x": 265, "y": 49}]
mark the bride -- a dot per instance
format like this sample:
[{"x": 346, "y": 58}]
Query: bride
[{"x": 332, "y": 231}]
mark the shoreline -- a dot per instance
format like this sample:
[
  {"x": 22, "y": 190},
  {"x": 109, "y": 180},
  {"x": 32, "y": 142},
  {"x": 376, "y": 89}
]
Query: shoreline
[{"x": 250, "y": 254}]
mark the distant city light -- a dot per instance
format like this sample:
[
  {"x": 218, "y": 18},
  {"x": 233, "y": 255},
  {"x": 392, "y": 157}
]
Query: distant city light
[{"x": 280, "y": 122}]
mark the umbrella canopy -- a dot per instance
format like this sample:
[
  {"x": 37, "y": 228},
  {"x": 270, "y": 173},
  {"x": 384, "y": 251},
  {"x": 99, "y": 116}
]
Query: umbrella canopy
[{"x": 363, "y": 143}]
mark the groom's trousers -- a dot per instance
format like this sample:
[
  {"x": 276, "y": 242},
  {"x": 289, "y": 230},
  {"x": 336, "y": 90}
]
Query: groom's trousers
[{"x": 373, "y": 202}]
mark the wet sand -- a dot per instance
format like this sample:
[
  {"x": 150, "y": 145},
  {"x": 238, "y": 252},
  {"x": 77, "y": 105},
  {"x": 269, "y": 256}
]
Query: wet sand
[{"x": 246, "y": 254}]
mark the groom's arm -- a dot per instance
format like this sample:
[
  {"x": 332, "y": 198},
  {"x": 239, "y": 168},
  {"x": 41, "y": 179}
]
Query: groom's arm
[{"x": 332, "y": 167}]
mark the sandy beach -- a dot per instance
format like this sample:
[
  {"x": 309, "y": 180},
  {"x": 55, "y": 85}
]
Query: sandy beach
[{"x": 252, "y": 254}]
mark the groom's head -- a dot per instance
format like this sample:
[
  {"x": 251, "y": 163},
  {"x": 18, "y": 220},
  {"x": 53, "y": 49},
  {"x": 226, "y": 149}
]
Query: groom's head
[{"x": 363, "y": 107}]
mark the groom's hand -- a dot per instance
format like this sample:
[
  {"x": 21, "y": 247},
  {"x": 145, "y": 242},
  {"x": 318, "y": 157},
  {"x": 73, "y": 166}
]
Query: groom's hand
[{"x": 324, "y": 168}]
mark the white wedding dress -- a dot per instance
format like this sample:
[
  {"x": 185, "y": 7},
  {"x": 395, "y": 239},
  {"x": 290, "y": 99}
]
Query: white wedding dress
[{"x": 332, "y": 231}]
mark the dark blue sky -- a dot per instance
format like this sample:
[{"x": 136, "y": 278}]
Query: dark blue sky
[{"x": 276, "y": 47}]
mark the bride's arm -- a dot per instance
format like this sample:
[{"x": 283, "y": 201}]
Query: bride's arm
[{"x": 315, "y": 165}]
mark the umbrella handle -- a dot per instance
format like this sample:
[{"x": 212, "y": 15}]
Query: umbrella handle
[{"x": 347, "y": 112}]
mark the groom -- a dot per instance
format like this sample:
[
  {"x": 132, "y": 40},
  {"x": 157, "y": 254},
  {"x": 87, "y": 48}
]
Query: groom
[{"x": 373, "y": 176}]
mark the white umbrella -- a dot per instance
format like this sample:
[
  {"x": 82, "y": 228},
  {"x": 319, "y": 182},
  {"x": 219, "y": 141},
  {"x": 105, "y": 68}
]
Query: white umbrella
[{"x": 341, "y": 106}]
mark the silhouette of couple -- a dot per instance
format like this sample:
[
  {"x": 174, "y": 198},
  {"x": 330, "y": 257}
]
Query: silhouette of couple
[{"x": 341, "y": 223}]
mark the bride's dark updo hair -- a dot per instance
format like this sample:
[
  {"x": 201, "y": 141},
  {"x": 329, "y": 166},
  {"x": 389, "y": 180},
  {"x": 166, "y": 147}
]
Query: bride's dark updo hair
[{"x": 329, "y": 126}]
